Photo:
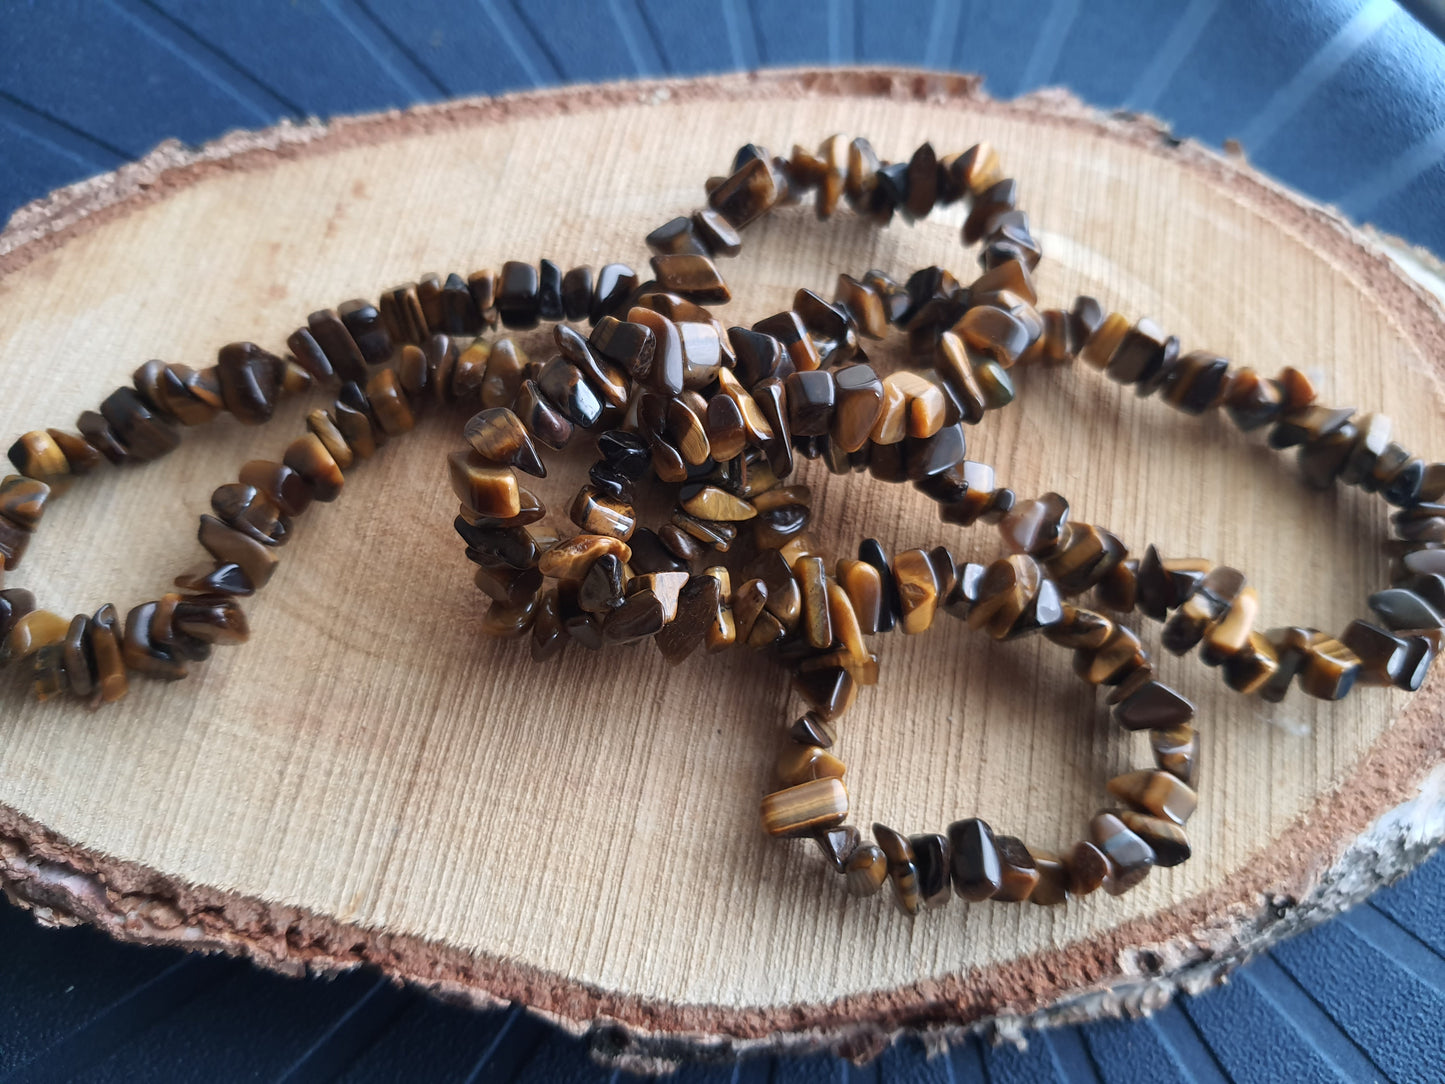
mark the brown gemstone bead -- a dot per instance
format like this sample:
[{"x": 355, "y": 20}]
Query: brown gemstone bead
[
  {"x": 1250, "y": 669},
  {"x": 667, "y": 370},
  {"x": 517, "y": 294},
  {"x": 674, "y": 236},
  {"x": 693, "y": 275},
  {"x": 699, "y": 603},
  {"x": 800, "y": 763},
  {"x": 1018, "y": 874},
  {"x": 343, "y": 356},
  {"x": 1053, "y": 884},
  {"x": 367, "y": 330},
  {"x": 1160, "y": 793},
  {"x": 403, "y": 315},
  {"x": 788, "y": 328},
  {"x": 925, "y": 404},
  {"x": 683, "y": 429},
  {"x": 1383, "y": 655},
  {"x": 994, "y": 332},
  {"x": 143, "y": 653},
  {"x": 549, "y": 637},
  {"x": 321, "y": 424},
  {"x": 389, "y": 403},
  {"x": 22, "y": 501},
  {"x": 31, "y": 631},
  {"x": 817, "y": 623},
  {"x": 1119, "y": 657},
  {"x": 604, "y": 587},
  {"x": 506, "y": 365},
  {"x": 615, "y": 283},
  {"x": 953, "y": 365},
  {"x": 998, "y": 198},
  {"x": 281, "y": 485},
  {"x": 249, "y": 381},
  {"x": 724, "y": 427},
  {"x": 1129, "y": 857},
  {"x": 209, "y": 578},
  {"x": 866, "y": 869},
  {"x": 308, "y": 457},
  {"x": 541, "y": 418},
  {"x": 565, "y": 388},
  {"x": 104, "y": 652},
  {"x": 1087, "y": 868},
  {"x": 932, "y": 858},
  {"x": 570, "y": 559},
  {"x": 1164, "y": 838},
  {"x": 510, "y": 586},
  {"x": 1153, "y": 706},
  {"x": 1004, "y": 593},
  {"x": 1104, "y": 340},
  {"x": 858, "y": 404},
  {"x": 902, "y": 870},
  {"x": 918, "y": 590},
  {"x": 1139, "y": 355},
  {"x": 864, "y": 304},
  {"x": 809, "y": 807},
  {"x": 838, "y": 845},
  {"x": 510, "y": 622},
  {"x": 77, "y": 661},
  {"x": 749, "y": 192},
  {"x": 641, "y": 615},
  {"x": 1230, "y": 634},
  {"x": 1329, "y": 669},
  {"x": 974, "y": 859},
  {"x": 212, "y": 619},
  {"x": 1400, "y": 608},
  {"x": 308, "y": 353},
  {"x": 716, "y": 234},
  {"x": 79, "y": 454},
  {"x": 15, "y": 603},
  {"x": 229, "y": 546},
  {"x": 710, "y": 502},
  {"x": 143, "y": 434},
  {"x": 829, "y": 692},
  {"x": 498, "y": 436},
  {"x": 892, "y": 421},
  {"x": 483, "y": 487},
  {"x": 37, "y": 455},
  {"x": 863, "y": 584},
  {"x": 598, "y": 514}
]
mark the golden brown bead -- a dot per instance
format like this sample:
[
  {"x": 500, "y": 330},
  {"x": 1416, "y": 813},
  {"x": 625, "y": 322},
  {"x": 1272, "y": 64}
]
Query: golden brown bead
[
  {"x": 308, "y": 457},
  {"x": 805, "y": 808},
  {"x": 30, "y": 633},
  {"x": 918, "y": 589}
]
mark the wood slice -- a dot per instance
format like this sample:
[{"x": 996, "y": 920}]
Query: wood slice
[{"x": 370, "y": 780}]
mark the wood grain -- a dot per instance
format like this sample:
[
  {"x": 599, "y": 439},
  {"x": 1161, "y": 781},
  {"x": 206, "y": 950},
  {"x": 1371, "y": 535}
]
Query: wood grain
[{"x": 371, "y": 780}]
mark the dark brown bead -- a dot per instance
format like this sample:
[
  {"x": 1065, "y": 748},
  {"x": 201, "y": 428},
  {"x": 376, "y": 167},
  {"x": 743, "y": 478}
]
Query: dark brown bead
[
  {"x": 77, "y": 659},
  {"x": 498, "y": 435},
  {"x": 829, "y": 692},
  {"x": 1329, "y": 670},
  {"x": 615, "y": 283},
  {"x": 1139, "y": 354},
  {"x": 770, "y": 401},
  {"x": 974, "y": 859},
  {"x": 517, "y": 294},
  {"x": 932, "y": 857},
  {"x": 549, "y": 290},
  {"x": 541, "y": 418},
  {"x": 667, "y": 373},
  {"x": 342, "y": 355},
  {"x": 640, "y": 616},
  {"x": 1087, "y": 867},
  {"x": 1153, "y": 706},
  {"x": 1000, "y": 197},
  {"x": 788, "y": 328},
  {"x": 1053, "y": 884},
  {"x": 810, "y": 398},
  {"x": 749, "y": 192},
  {"x": 211, "y": 619},
  {"x": 142, "y": 653},
  {"x": 1158, "y": 792},
  {"x": 1197, "y": 383},
  {"x": 1252, "y": 401},
  {"x": 1382, "y": 655},
  {"x": 246, "y": 508},
  {"x": 902, "y": 870},
  {"x": 209, "y": 578},
  {"x": 1129, "y": 856},
  {"x": 549, "y": 636},
  {"x": 691, "y": 274},
  {"x": 626, "y": 344},
  {"x": 577, "y": 293},
  {"x": 482, "y": 285},
  {"x": 838, "y": 845},
  {"x": 1165, "y": 839},
  {"x": 697, "y": 608},
  {"x": 308, "y": 457},
  {"x": 1176, "y": 751},
  {"x": 717, "y": 235},
  {"x": 363, "y": 322},
  {"x": 286, "y": 489},
  {"x": 22, "y": 501},
  {"x": 79, "y": 453},
  {"x": 866, "y": 869},
  {"x": 759, "y": 355},
  {"x": 808, "y": 729},
  {"x": 249, "y": 382},
  {"x": 1018, "y": 874},
  {"x": 105, "y": 648},
  {"x": 813, "y": 580},
  {"x": 564, "y": 386},
  {"x": 37, "y": 455},
  {"x": 144, "y": 434},
  {"x": 229, "y": 546},
  {"x": 15, "y": 603},
  {"x": 458, "y": 311}
]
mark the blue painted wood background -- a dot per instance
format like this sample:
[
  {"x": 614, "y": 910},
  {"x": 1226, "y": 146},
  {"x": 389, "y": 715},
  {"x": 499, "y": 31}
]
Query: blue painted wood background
[{"x": 1342, "y": 99}]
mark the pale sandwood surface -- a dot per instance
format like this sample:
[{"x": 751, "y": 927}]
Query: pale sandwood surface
[{"x": 371, "y": 758}]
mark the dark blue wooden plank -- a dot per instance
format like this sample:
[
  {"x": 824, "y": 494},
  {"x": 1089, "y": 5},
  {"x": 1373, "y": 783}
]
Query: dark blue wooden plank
[
  {"x": 318, "y": 54},
  {"x": 428, "y": 1040},
  {"x": 119, "y": 73},
  {"x": 1104, "y": 66},
  {"x": 594, "y": 42},
  {"x": 1007, "y": 1064},
  {"x": 966, "y": 1062},
  {"x": 902, "y": 32},
  {"x": 316, "y": 1027},
  {"x": 997, "y": 40},
  {"x": 41, "y": 154},
  {"x": 1177, "y": 1034},
  {"x": 1124, "y": 1048},
  {"x": 698, "y": 36},
  {"x": 789, "y": 34},
  {"x": 814, "y": 1069},
  {"x": 1417, "y": 901},
  {"x": 478, "y": 48},
  {"x": 907, "y": 1062},
  {"x": 1354, "y": 124},
  {"x": 1262, "y": 1029},
  {"x": 1246, "y": 54}
]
